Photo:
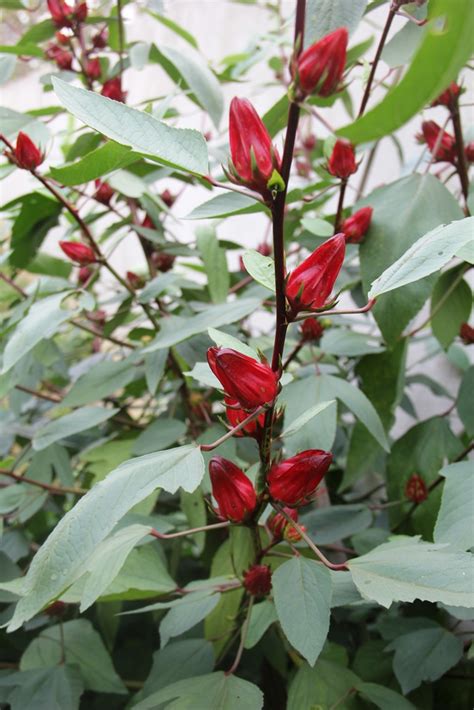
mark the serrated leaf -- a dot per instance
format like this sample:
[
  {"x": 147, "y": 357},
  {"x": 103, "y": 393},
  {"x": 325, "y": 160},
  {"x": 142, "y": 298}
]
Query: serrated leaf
[
  {"x": 58, "y": 687},
  {"x": 302, "y": 594},
  {"x": 454, "y": 524},
  {"x": 63, "y": 427},
  {"x": 60, "y": 558},
  {"x": 181, "y": 148},
  {"x": 102, "y": 380},
  {"x": 261, "y": 268}
]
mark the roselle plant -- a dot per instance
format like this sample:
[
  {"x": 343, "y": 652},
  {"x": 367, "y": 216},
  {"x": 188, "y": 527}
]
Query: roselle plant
[{"x": 222, "y": 485}]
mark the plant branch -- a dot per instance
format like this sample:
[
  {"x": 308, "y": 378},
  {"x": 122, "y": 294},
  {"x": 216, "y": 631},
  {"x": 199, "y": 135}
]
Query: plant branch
[
  {"x": 243, "y": 636},
  {"x": 462, "y": 167},
  {"x": 191, "y": 531},
  {"x": 54, "y": 490},
  {"x": 365, "y": 98},
  {"x": 234, "y": 430},
  {"x": 340, "y": 205},
  {"x": 368, "y": 306}
]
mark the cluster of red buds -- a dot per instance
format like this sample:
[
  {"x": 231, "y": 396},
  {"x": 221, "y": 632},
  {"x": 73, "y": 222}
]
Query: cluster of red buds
[{"x": 441, "y": 143}]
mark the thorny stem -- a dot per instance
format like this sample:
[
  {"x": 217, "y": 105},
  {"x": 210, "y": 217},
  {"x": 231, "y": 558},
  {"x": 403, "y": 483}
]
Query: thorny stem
[
  {"x": 243, "y": 636},
  {"x": 54, "y": 490},
  {"x": 309, "y": 542},
  {"x": 462, "y": 167},
  {"x": 378, "y": 53}
]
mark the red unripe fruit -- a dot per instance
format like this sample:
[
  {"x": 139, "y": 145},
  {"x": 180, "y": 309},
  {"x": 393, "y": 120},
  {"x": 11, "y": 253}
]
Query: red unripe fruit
[
  {"x": 441, "y": 144},
  {"x": 162, "y": 262},
  {"x": 80, "y": 253},
  {"x": 84, "y": 275},
  {"x": 233, "y": 491},
  {"x": 448, "y": 96},
  {"x": 112, "y": 89},
  {"x": 293, "y": 482},
  {"x": 258, "y": 580},
  {"x": 309, "y": 142},
  {"x": 62, "y": 38},
  {"x": 135, "y": 280},
  {"x": 278, "y": 524},
  {"x": 93, "y": 69},
  {"x": 80, "y": 12},
  {"x": 466, "y": 333},
  {"x": 235, "y": 415},
  {"x": 356, "y": 226},
  {"x": 311, "y": 283},
  {"x": 100, "y": 39},
  {"x": 148, "y": 223},
  {"x": 469, "y": 150},
  {"x": 61, "y": 13},
  {"x": 250, "y": 382},
  {"x": 103, "y": 192},
  {"x": 254, "y": 158},
  {"x": 63, "y": 59},
  {"x": 265, "y": 249},
  {"x": 321, "y": 66},
  {"x": 27, "y": 155},
  {"x": 415, "y": 489},
  {"x": 311, "y": 330},
  {"x": 342, "y": 162},
  {"x": 168, "y": 198}
]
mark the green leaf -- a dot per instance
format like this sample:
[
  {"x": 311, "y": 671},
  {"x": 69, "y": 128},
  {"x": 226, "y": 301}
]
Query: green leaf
[
  {"x": 102, "y": 380},
  {"x": 229, "y": 203},
  {"x": 426, "y": 204},
  {"x": 304, "y": 418},
  {"x": 325, "y": 16},
  {"x": 384, "y": 698},
  {"x": 426, "y": 256},
  {"x": 224, "y": 340},
  {"x": 454, "y": 524},
  {"x": 318, "y": 226},
  {"x": 261, "y": 268},
  {"x": 41, "y": 322},
  {"x": 327, "y": 685},
  {"x": 57, "y": 562},
  {"x": 302, "y": 593},
  {"x": 336, "y": 523},
  {"x": 159, "y": 435},
  {"x": 38, "y": 214},
  {"x": 298, "y": 397},
  {"x": 221, "y": 692},
  {"x": 174, "y": 329},
  {"x": 262, "y": 617},
  {"x": 406, "y": 569},
  {"x": 95, "y": 164},
  {"x": 12, "y": 122},
  {"x": 198, "y": 77},
  {"x": 403, "y": 45},
  {"x": 349, "y": 343},
  {"x": 83, "y": 647},
  {"x": 464, "y": 403},
  {"x": 437, "y": 62},
  {"x": 451, "y": 303},
  {"x": 167, "y": 22},
  {"x": 186, "y": 613},
  {"x": 155, "y": 365},
  {"x": 58, "y": 687},
  {"x": 215, "y": 264},
  {"x": 181, "y": 148},
  {"x": 73, "y": 423},
  {"x": 424, "y": 655}
]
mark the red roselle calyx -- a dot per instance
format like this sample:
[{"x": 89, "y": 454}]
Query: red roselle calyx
[
  {"x": 321, "y": 66},
  {"x": 466, "y": 333},
  {"x": 250, "y": 382},
  {"x": 310, "y": 284},
  {"x": 103, "y": 192},
  {"x": 162, "y": 261},
  {"x": 282, "y": 529},
  {"x": 168, "y": 198},
  {"x": 293, "y": 482},
  {"x": 100, "y": 39},
  {"x": 236, "y": 416},
  {"x": 112, "y": 89},
  {"x": 342, "y": 162},
  {"x": 233, "y": 491},
  {"x": 84, "y": 275},
  {"x": 448, "y": 96},
  {"x": 356, "y": 226},
  {"x": 415, "y": 489},
  {"x": 27, "y": 155},
  {"x": 93, "y": 69},
  {"x": 441, "y": 144},
  {"x": 255, "y": 161},
  {"x": 258, "y": 580},
  {"x": 80, "y": 253},
  {"x": 61, "y": 13},
  {"x": 469, "y": 150},
  {"x": 135, "y": 280},
  {"x": 311, "y": 330}
]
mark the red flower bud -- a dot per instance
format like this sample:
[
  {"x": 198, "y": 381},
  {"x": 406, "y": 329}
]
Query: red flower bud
[
  {"x": 448, "y": 96},
  {"x": 63, "y": 59},
  {"x": 98, "y": 317},
  {"x": 415, "y": 489},
  {"x": 321, "y": 66},
  {"x": 469, "y": 150},
  {"x": 258, "y": 580},
  {"x": 62, "y": 38},
  {"x": 278, "y": 524},
  {"x": 163, "y": 262},
  {"x": 265, "y": 249},
  {"x": 80, "y": 253},
  {"x": 100, "y": 39},
  {"x": 440, "y": 143},
  {"x": 293, "y": 482},
  {"x": 112, "y": 89},
  {"x": 147, "y": 222},
  {"x": 310, "y": 284},
  {"x": 356, "y": 226},
  {"x": 254, "y": 158},
  {"x": 250, "y": 382},
  {"x": 309, "y": 142},
  {"x": 311, "y": 330},
  {"x": 342, "y": 162},
  {"x": 103, "y": 192},
  {"x": 80, "y": 12},
  {"x": 61, "y": 13},
  {"x": 57, "y": 608},
  {"x": 93, "y": 69},
  {"x": 466, "y": 333},
  {"x": 27, "y": 154},
  {"x": 135, "y": 280},
  {"x": 235, "y": 415},
  {"x": 303, "y": 167},
  {"x": 233, "y": 491},
  {"x": 84, "y": 275},
  {"x": 168, "y": 198}
]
